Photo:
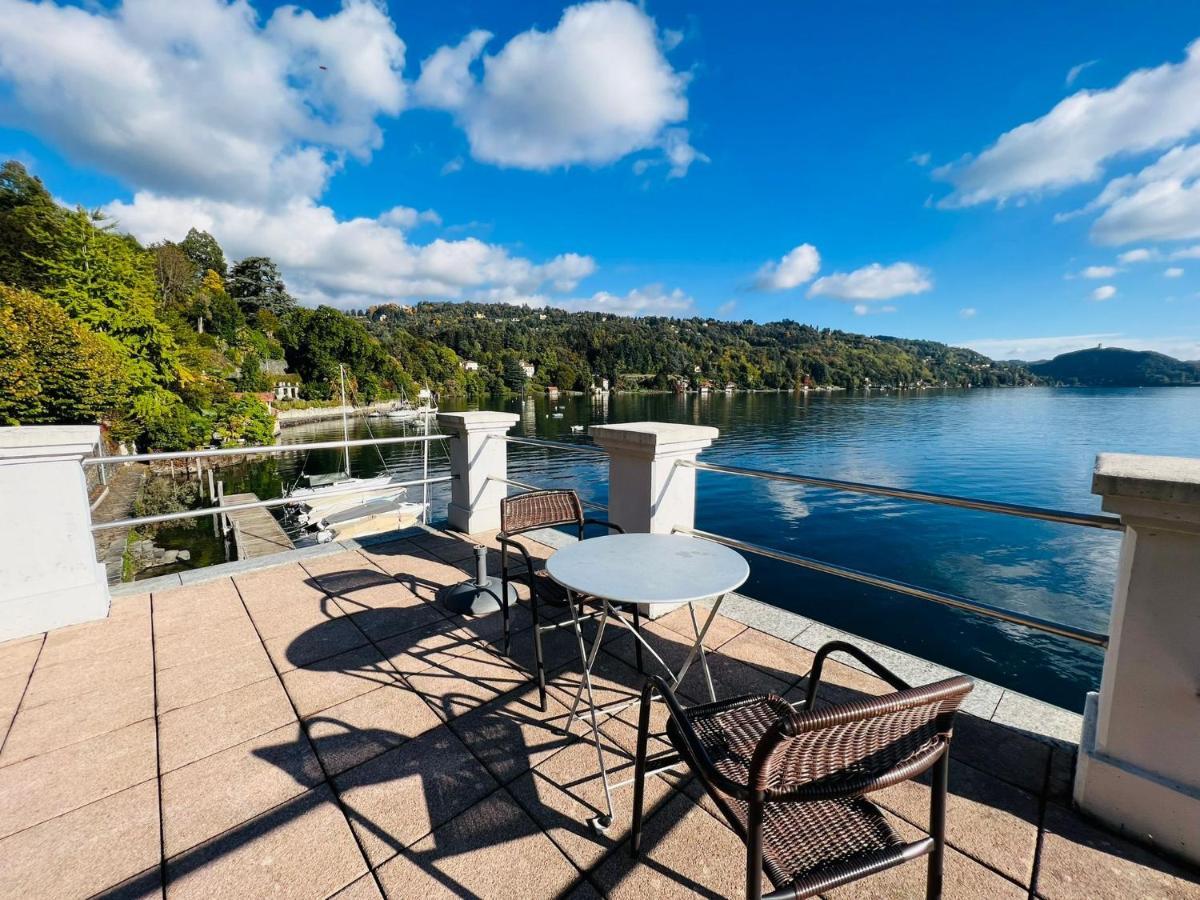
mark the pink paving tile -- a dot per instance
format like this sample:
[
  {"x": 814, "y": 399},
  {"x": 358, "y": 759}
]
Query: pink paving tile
[
  {"x": 221, "y": 791},
  {"x": 34, "y": 790},
  {"x": 39, "y": 729},
  {"x": 492, "y": 850},
  {"x": 299, "y": 850},
  {"x": 397, "y": 798},
  {"x": 87, "y": 850},
  {"x": 202, "y": 729}
]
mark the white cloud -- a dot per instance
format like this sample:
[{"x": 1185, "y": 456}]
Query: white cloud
[
  {"x": 452, "y": 166},
  {"x": 921, "y": 159},
  {"x": 348, "y": 262},
  {"x": 1104, "y": 292},
  {"x": 862, "y": 309},
  {"x": 1099, "y": 272},
  {"x": 727, "y": 307},
  {"x": 1075, "y": 71},
  {"x": 1149, "y": 109},
  {"x": 211, "y": 102},
  {"x": 1187, "y": 253},
  {"x": 405, "y": 217},
  {"x": 1159, "y": 203},
  {"x": 968, "y": 312},
  {"x": 1034, "y": 348},
  {"x": 797, "y": 267},
  {"x": 874, "y": 282},
  {"x": 1173, "y": 272},
  {"x": 1137, "y": 255},
  {"x": 591, "y": 90}
]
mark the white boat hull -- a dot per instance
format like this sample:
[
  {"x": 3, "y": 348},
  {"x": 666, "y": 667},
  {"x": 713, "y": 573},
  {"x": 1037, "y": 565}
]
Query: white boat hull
[{"x": 321, "y": 502}]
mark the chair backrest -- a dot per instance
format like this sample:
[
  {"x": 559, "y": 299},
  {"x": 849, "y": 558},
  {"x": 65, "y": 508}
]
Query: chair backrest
[
  {"x": 540, "y": 509},
  {"x": 862, "y": 746}
]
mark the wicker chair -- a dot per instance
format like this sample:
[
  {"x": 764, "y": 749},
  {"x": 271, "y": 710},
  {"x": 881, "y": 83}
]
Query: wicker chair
[
  {"x": 526, "y": 512},
  {"x": 792, "y": 780}
]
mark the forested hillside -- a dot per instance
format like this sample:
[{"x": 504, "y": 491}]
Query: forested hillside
[
  {"x": 571, "y": 349},
  {"x": 1115, "y": 367},
  {"x": 170, "y": 344}
]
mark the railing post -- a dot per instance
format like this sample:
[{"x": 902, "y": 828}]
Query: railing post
[
  {"x": 1139, "y": 758},
  {"x": 478, "y": 456},
  {"x": 49, "y": 576},
  {"x": 647, "y": 492}
]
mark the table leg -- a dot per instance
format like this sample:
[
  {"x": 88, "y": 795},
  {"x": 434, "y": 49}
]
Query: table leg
[
  {"x": 703, "y": 656},
  {"x": 589, "y": 660},
  {"x": 698, "y": 647},
  {"x": 600, "y": 823}
]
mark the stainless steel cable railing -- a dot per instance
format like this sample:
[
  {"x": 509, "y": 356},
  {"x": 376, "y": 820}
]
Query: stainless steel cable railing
[
  {"x": 204, "y": 511},
  {"x": 1089, "y": 520},
  {"x": 272, "y": 448},
  {"x": 955, "y": 601}
]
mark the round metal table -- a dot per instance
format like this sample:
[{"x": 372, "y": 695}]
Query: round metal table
[{"x": 650, "y": 570}]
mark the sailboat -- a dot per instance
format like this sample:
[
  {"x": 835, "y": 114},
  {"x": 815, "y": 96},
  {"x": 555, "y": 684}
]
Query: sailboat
[{"x": 323, "y": 497}]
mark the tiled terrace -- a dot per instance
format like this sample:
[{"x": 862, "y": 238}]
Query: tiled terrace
[{"x": 322, "y": 729}]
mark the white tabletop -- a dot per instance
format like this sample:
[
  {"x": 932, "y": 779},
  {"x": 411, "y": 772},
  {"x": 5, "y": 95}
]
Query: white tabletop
[{"x": 648, "y": 568}]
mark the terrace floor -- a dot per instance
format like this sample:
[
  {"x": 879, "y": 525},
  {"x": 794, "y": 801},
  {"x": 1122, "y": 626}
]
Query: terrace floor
[{"x": 321, "y": 728}]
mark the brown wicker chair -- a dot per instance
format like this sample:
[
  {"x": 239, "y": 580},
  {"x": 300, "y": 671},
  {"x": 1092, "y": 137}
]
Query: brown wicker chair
[
  {"x": 526, "y": 512},
  {"x": 792, "y": 780}
]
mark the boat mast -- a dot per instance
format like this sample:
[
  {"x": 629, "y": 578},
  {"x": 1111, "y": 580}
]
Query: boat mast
[{"x": 345, "y": 427}]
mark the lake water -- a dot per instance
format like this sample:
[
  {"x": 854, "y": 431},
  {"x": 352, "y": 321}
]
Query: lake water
[{"x": 1032, "y": 446}]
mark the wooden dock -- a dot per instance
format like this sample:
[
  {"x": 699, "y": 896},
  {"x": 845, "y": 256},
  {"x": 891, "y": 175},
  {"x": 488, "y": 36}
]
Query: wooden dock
[{"x": 255, "y": 531}]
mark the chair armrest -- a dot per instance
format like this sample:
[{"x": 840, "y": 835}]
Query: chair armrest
[
  {"x": 505, "y": 542},
  {"x": 814, "y": 676},
  {"x": 611, "y": 526},
  {"x": 695, "y": 749}
]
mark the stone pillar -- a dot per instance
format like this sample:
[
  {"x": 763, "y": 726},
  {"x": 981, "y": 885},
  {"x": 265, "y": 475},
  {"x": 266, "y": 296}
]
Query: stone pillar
[
  {"x": 49, "y": 576},
  {"x": 1139, "y": 758},
  {"x": 477, "y": 457},
  {"x": 647, "y": 492}
]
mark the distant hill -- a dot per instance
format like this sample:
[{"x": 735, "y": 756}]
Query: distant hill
[{"x": 1115, "y": 367}]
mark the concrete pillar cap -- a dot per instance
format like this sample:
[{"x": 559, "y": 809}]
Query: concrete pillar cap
[
  {"x": 52, "y": 441},
  {"x": 1161, "y": 488},
  {"x": 653, "y": 439},
  {"x": 478, "y": 420}
]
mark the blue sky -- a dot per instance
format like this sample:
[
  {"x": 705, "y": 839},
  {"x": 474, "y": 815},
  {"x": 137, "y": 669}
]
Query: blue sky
[{"x": 928, "y": 170}]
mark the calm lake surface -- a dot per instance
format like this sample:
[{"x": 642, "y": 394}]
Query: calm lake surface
[{"x": 1032, "y": 446}]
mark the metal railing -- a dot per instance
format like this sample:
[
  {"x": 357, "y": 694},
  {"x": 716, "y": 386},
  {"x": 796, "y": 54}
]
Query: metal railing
[
  {"x": 260, "y": 504},
  {"x": 955, "y": 601},
  {"x": 226, "y": 452},
  {"x": 552, "y": 445},
  {"x": 272, "y": 448},
  {"x": 535, "y": 487},
  {"x": 1089, "y": 520}
]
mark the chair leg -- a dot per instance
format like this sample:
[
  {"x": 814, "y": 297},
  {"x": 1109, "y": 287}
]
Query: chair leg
[
  {"x": 754, "y": 859},
  {"x": 937, "y": 826},
  {"x": 637, "y": 626},
  {"x": 639, "y": 771},
  {"x": 537, "y": 649},
  {"x": 504, "y": 611}
]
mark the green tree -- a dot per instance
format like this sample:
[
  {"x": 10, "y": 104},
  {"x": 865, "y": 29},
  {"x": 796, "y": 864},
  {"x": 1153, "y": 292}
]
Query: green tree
[
  {"x": 256, "y": 284},
  {"x": 29, "y": 217},
  {"x": 106, "y": 281},
  {"x": 204, "y": 252},
  {"x": 243, "y": 420},
  {"x": 175, "y": 273},
  {"x": 53, "y": 369}
]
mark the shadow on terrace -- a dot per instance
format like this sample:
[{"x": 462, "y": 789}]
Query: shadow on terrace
[{"x": 324, "y": 729}]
